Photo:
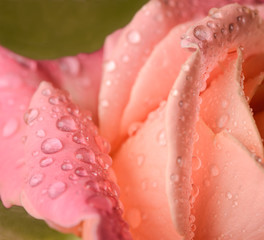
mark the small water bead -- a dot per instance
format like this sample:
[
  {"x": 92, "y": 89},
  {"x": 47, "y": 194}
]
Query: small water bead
[
  {"x": 162, "y": 138},
  {"x": 186, "y": 67},
  {"x": 104, "y": 160},
  {"x": 179, "y": 161},
  {"x": 46, "y": 92},
  {"x": 133, "y": 128},
  {"x": 73, "y": 177},
  {"x": 231, "y": 27},
  {"x": 46, "y": 161},
  {"x": 81, "y": 172},
  {"x": 85, "y": 155},
  {"x": 51, "y": 145},
  {"x": 174, "y": 92},
  {"x": 40, "y": 133},
  {"x": 180, "y": 104},
  {"x": 56, "y": 189},
  {"x": 110, "y": 66},
  {"x": 35, "y": 153},
  {"x": 79, "y": 138},
  {"x": 104, "y": 103},
  {"x": 195, "y": 191},
  {"x": 215, "y": 13},
  {"x": 36, "y": 179},
  {"x": 134, "y": 37},
  {"x": 214, "y": 170},
  {"x": 133, "y": 217},
  {"x": 104, "y": 145},
  {"x": 66, "y": 166},
  {"x": 201, "y": 33},
  {"x": 140, "y": 159},
  {"x": 229, "y": 195},
  {"x": 66, "y": 124},
  {"x": 30, "y": 116},
  {"x": 174, "y": 178},
  {"x": 196, "y": 163},
  {"x": 222, "y": 121},
  {"x": 10, "y": 127}
]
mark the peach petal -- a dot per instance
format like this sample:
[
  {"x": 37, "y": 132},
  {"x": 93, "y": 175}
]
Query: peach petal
[
  {"x": 259, "y": 118},
  {"x": 226, "y": 198},
  {"x": 140, "y": 167},
  {"x": 68, "y": 180},
  {"x": 156, "y": 77},
  {"x": 80, "y": 75},
  {"x": 233, "y": 112},
  {"x": 251, "y": 85}
]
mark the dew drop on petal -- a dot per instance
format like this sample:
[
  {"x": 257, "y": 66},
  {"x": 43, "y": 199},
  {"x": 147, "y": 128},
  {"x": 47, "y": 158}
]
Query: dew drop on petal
[
  {"x": 66, "y": 124},
  {"x": 46, "y": 92},
  {"x": 81, "y": 172},
  {"x": 56, "y": 189},
  {"x": 51, "y": 145},
  {"x": 85, "y": 155},
  {"x": 201, "y": 33},
  {"x": 133, "y": 217},
  {"x": 134, "y": 37},
  {"x": 10, "y": 127},
  {"x": 196, "y": 163},
  {"x": 36, "y": 179},
  {"x": 110, "y": 66},
  {"x": 174, "y": 177},
  {"x": 229, "y": 195},
  {"x": 46, "y": 161},
  {"x": 79, "y": 138},
  {"x": 214, "y": 171},
  {"x": 40, "y": 133},
  {"x": 162, "y": 138},
  {"x": 30, "y": 116},
  {"x": 140, "y": 160},
  {"x": 66, "y": 166},
  {"x": 222, "y": 121}
]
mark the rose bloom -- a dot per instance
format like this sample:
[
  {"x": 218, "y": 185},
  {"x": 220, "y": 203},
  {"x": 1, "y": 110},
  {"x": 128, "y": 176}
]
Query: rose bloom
[{"x": 159, "y": 137}]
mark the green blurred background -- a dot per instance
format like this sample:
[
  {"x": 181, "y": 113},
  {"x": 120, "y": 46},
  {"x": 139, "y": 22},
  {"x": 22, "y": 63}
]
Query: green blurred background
[{"x": 45, "y": 29}]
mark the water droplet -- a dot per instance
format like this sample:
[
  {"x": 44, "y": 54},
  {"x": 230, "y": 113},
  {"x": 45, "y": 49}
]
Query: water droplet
[
  {"x": 85, "y": 155},
  {"x": 231, "y": 27},
  {"x": 35, "y": 153},
  {"x": 51, "y": 145},
  {"x": 222, "y": 121},
  {"x": 79, "y": 138},
  {"x": 196, "y": 163},
  {"x": 195, "y": 191},
  {"x": 133, "y": 128},
  {"x": 46, "y": 161},
  {"x": 162, "y": 138},
  {"x": 36, "y": 179},
  {"x": 180, "y": 103},
  {"x": 214, "y": 171},
  {"x": 201, "y": 33},
  {"x": 40, "y": 133},
  {"x": 56, "y": 189},
  {"x": 229, "y": 195},
  {"x": 10, "y": 127},
  {"x": 81, "y": 172},
  {"x": 179, "y": 161},
  {"x": 104, "y": 160},
  {"x": 46, "y": 92},
  {"x": 174, "y": 92},
  {"x": 30, "y": 116},
  {"x": 66, "y": 124},
  {"x": 186, "y": 67},
  {"x": 134, "y": 37},
  {"x": 110, "y": 66},
  {"x": 104, "y": 103},
  {"x": 215, "y": 13},
  {"x": 174, "y": 178},
  {"x": 66, "y": 166},
  {"x": 133, "y": 217},
  {"x": 140, "y": 160}
]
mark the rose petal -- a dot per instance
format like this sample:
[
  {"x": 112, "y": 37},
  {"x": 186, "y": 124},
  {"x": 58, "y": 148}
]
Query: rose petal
[
  {"x": 259, "y": 118},
  {"x": 68, "y": 180},
  {"x": 156, "y": 77},
  {"x": 140, "y": 169},
  {"x": 80, "y": 75},
  {"x": 251, "y": 85},
  {"x": 18, "y": 80},
  {"x": 225, "y": 196},
  {"x": 257, "y": 100},
  {"x": 233, "y": 112}
]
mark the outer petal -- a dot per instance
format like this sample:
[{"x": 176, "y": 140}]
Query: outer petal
[
  {"x": 80, "y": 75},
  {"x": 68, "y": 180},
  {"x": 18, "y": 80},
  {"x": 140, "y": 166},
  {"x": 222, "y": 32},
  {"x": 228, "y": 189}
]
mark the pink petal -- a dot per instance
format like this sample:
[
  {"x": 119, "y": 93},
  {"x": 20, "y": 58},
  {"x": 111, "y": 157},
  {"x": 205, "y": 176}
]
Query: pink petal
[
  {"x": 80, "y": 75},
  {"x": 233, "y": 112},
  {"x": 18, "y": 80},
  {"x": 228, "y": 188},
  {"x": 68, "y": 181},
  {"x": 140, "y": 167},
  {"x": 156, "y": 77},
  {"x": 257, "y": 100}
]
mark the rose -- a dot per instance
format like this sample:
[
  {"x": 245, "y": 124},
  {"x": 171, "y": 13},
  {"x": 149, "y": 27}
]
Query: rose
[{"x": 195, "y": 157}]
